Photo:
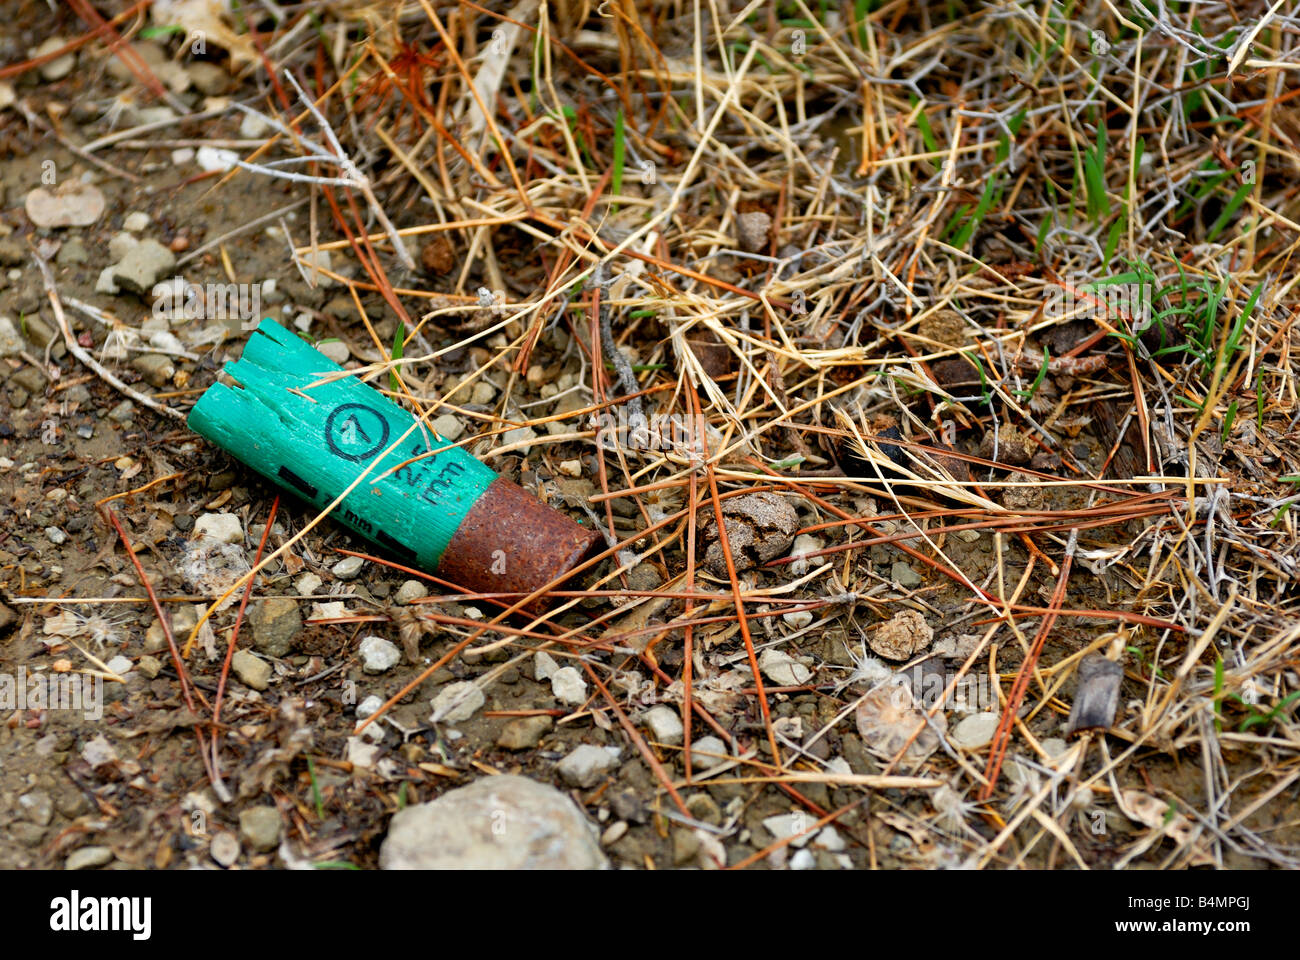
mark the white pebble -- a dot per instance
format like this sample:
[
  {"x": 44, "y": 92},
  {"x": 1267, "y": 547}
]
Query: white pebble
[
  {"x": 456, "y": 702},
  {"x": 665, "y": 725},
  {"x": 347, "y": 568},
  {"x": 224, "y": 527},
  {"x": 798, "y": 619},
  {"x": 544, "y": 666},
  {"x": 569, "y": 687},
  {"x": 308, "y": 584},
  {"x": 783, "y": 669},
  {"x": 378, "y": 654},
  {"x": 211, "y": 158}
]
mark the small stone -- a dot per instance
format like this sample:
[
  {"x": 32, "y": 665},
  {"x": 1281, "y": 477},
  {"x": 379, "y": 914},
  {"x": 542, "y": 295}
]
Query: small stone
[
  {"x": 783, "y": 826},
  {"x": 59, "y": 67},
  {"x": 448, "y": 427},
  {"x": 72, "y": 253},
  {"x": 571, "y": 468},
  {"x": 7, "y": 98},
  {"x": 378, "y": 655},
  {"x": 37, "y": 807},
  {"x": 613, "y": 833},
  {"x": 335, "y": 350},
  {"x": 143, "y": 266},
  {"x": 798, "y": 619},
  {"x": 828, "y": 838},
  {"x": 122, "y": 413},
  {"x": 120, "y": 665},
  {"x": 224, "y": 849},
  {"x": 456, "y": 702},
  {"x": 410, "y": 590},
  {"x": 55, "y": 535},
  {"x": 156, "y": 368},
  {"x": 155, "y": 641},
  {"x": 524, "y": 733},
  {"x": 901, "y": 637},
  {"x": 804, "y": 544},
  {"x": 483, "y": 393},
  {"x": 259, "y": 827},
  {"x": 275, "y": 623},
  {"x": 752, "y": 230},
  {"x": 72, "y": 204},
  {"x": 569, "y": 687},
  {"x": 708, "y": 752},
  {"x": 347, "y": 568},
  {"x": 505, "y": 822},
  {"x": 105, "y": 283},
  {"x": 86, "y": 858},
  {"x": 11, "y": 342},
  {"x": 307, "y": 584},
  {"x": 251, "y": 669},
  {"x": 520, "y": 435},
  {"x": 686, "y": 845},
  {"x": 703, "y": 807},
  {"x": 369, "y": 707},
  {"x": 253, "y": 127},
  {"x": 98, "y": 752},
  {"x": 212, "y": 158},
  {"x": 587, "y": 764},
  {"x": 135, "y": 221},
  {"x": 222, "y": 527},
  {"x": 120, "y": 244},
  {"x": 182, "y": 156},
  {"x": 359, "y": 753},
  {"x": 26, "y": 834},
  {"x": 544, "y": 666},
  {"x": 314, "y": 261},
  {"x": 803, "y": 860},
  {"x": 974, "y": 731},
  {"x": 665, "y": 725},
  {"x": 783, "y": 669},
  {"x": 904, "y": 575},
  {"x": 149, "y": 666}
]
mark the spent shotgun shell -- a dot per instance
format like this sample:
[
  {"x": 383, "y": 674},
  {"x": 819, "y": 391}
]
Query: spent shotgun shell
[{"x": 306, "y": 424}]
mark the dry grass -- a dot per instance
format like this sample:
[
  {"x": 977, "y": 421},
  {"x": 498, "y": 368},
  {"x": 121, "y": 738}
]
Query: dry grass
[{"x": 941, "y": 182}]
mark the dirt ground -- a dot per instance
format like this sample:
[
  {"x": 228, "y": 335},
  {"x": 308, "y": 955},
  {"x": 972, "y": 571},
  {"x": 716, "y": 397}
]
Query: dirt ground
[{"x": 131, "y": 786}]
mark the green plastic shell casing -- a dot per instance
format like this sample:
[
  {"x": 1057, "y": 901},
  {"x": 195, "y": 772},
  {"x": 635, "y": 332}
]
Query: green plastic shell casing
[{"x": 316, "y": 438}]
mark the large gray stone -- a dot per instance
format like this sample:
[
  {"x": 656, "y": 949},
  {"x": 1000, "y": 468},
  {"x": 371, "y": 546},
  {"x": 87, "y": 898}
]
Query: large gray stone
[{"x": 496, "y": 823}]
